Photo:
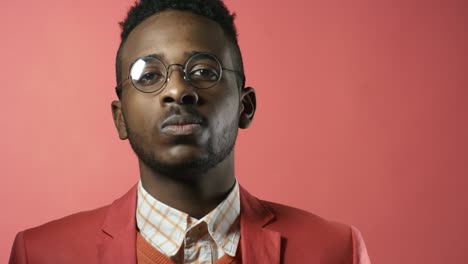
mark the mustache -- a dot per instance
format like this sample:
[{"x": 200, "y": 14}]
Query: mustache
[{"x": 182, "y": 114}]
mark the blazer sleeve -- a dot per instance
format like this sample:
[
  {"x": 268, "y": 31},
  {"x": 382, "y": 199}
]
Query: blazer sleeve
[
  {"x": 18, "y": 251},
  {"x": 360, "y": 255}
]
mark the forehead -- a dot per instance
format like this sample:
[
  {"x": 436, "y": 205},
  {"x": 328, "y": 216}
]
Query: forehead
[{"x": 173, "y": 35}]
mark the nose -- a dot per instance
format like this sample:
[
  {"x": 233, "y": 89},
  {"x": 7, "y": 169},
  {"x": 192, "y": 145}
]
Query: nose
[{"x": 177, "y": 90}]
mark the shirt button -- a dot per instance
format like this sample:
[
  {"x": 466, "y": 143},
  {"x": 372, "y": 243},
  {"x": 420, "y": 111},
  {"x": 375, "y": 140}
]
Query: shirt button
[{"x": 188, "y": 242}]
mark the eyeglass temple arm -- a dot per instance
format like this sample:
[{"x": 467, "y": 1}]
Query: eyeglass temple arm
[{"x": 240, "y": 74}]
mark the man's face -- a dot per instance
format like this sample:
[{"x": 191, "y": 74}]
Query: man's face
[{"x": 202, "y": 122}]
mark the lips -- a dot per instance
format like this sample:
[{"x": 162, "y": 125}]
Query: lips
[{"x": 181, "y": 125}]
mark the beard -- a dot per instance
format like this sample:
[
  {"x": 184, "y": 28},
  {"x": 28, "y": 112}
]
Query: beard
[{"x": 217, "y": 151}]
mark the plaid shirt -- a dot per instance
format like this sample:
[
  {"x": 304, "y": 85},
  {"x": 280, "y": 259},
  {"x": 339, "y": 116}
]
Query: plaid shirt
[{"x": 185, "y": 239}]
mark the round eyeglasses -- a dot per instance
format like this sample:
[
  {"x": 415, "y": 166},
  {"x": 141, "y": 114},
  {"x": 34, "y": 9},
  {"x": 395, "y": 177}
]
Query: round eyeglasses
[{"x": 201, "y": 70}]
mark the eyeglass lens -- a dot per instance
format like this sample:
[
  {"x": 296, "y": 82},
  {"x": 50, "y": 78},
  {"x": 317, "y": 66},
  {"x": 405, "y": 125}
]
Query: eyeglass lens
[{"x": 149, "y": 74}]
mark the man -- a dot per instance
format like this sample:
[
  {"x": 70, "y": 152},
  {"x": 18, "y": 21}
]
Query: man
[{"x": 181, "y": 101}]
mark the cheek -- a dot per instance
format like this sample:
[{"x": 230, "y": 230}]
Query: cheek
[
  {"x": 226, "y": 110},
  {"x": 141, "y": 115}
]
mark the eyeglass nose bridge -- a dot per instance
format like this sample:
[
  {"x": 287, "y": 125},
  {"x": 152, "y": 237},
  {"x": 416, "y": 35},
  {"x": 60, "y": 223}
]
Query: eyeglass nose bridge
[{"x": 168, "y": 67}]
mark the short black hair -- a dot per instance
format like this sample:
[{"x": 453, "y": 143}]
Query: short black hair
[{"x": 215, "y": 10}]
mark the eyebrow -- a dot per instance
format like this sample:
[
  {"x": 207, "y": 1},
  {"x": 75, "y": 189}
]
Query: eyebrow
[{"x": 162, "y": 57}]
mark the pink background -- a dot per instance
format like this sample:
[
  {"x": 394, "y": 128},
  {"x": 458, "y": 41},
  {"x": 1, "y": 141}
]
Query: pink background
[{"x": 362, "y": 116}]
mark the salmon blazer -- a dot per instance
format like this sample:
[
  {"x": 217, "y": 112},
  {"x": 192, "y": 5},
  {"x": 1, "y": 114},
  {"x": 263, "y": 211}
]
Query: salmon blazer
[{"x": 270, "y": 233}]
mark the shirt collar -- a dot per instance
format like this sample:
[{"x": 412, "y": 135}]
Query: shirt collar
[{"x": 165, "y": 227}]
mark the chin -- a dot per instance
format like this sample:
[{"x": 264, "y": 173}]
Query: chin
[
  {"x": 181, "y": 159},
  {"x": 181, "y": 169},
  {"x": 182, "y": 154}
]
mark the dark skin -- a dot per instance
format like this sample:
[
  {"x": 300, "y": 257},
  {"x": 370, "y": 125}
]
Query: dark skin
[{"x": 225, "y": 107}]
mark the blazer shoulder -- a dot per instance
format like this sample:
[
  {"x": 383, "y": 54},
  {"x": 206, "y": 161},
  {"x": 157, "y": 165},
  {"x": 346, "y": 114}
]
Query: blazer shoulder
[
  {"x": 302, "y": 231},
  {"x": 76, "y": 238},
  {"x": 85, "y": 224},
  {"x": 60, "y": 238},
  {"x": 293, "y": 220}
]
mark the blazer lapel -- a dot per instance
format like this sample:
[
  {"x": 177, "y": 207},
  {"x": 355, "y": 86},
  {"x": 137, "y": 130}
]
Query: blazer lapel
[
  {"x": 118, "y": 237},
  {"x": 258, "y": 244}
]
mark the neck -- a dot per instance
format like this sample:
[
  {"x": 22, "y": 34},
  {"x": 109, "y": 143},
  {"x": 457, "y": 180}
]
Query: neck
[{"x": 195, "y": 196}]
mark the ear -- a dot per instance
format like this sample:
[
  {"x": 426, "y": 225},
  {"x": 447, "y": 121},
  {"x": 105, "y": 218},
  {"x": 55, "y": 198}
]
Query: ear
[
  {"x": 247, "y": 107},
  {"x": 119, "y": 119}
]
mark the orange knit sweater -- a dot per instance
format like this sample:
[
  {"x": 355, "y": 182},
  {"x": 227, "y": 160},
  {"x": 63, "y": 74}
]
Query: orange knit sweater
[{"x": 147, "y": 254}]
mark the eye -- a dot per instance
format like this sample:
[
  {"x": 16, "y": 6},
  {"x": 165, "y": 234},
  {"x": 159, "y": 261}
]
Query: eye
[
  {"x": 204, "y": 74},
  {"x": 147, "y": 77},
  {"x": 150, "y": 78}
]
